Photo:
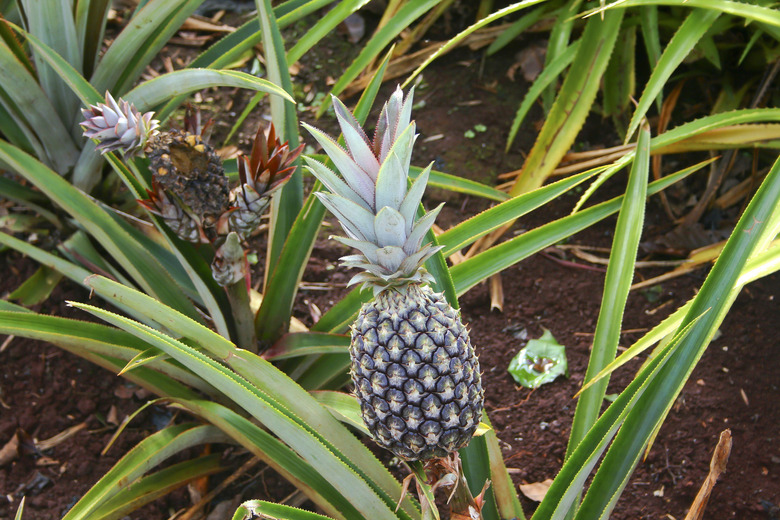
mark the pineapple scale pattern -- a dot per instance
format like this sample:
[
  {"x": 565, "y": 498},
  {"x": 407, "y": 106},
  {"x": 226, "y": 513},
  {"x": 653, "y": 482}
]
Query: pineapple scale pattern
[{"x": 415, "y": 374}]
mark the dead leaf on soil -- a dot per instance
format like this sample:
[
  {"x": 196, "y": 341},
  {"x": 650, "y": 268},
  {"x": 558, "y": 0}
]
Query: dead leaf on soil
[
  {"x": 530, "y": 61},
  {"x": 113, "y": 416},
  {"x": 228, "y": 152},
  {"x": 10, "y": 451},
  {"x": 717, "y": 466},
  {"x": 46, "y": 461},
  {"x": 199, "y": 23},
  {"x": 496, "y": 293},
  {"x": 124, "y": 391},
  {"x": 61, "y": 437},
  {"x": 537, "y": 490}
]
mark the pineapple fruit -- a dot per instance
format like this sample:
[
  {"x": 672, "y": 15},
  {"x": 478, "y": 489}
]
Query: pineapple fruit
[
  {"x": 415, "y": 372},
  {"x": 191, "y": 171},
  {"x": 118, "y": 126}
]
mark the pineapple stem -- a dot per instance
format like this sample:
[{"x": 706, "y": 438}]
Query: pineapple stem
[
  {"x": 244, "y": 318},
  {"x": 463, "y": 505},
  {"x": 447, "y": 472}
]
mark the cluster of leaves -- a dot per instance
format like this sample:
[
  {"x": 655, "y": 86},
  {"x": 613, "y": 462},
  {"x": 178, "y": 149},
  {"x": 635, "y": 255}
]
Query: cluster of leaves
[{"x": 177, "y": 329}]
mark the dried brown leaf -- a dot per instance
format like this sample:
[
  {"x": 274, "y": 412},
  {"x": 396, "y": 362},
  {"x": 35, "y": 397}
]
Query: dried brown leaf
[
  {"x": 496, "y": 293},
  {"x": 717, "y": 466},
  {"x": 61, "y": 437},
  {"x": 10, "y": 451},
  {"x": 536, "y": 490},
  {"x": 113, "y": 416},
  {"x": 198, "y": 23}
]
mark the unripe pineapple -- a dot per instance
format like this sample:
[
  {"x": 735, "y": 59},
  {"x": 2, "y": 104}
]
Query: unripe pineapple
[
  {"x": 415, "y": 372},
  {"x": 191, "y": 170},
  {"x": 180, "y": 222},
  {"x": 265, "y": 171},
  {"x": 118, "y": 126}
]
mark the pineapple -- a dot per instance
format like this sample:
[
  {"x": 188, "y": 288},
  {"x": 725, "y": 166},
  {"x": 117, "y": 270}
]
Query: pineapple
[
  {"x": 178, "y": 220},
  {"x": 415, "y": 372},
  {"x": 190, "y": 170},
  {"x": 118, "y": 126},
  {"x": 266, "y": 170}
]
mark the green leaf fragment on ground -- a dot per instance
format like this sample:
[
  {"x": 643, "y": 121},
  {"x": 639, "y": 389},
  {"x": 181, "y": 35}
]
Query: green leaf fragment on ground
[{"x": 540, "y": 362}]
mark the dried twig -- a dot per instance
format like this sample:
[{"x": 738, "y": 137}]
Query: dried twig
[{"x": 717, "y": 466}]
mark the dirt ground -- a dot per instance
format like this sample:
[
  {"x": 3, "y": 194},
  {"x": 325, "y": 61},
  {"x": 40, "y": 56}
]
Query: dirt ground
[{"x": 45, "y": 391}]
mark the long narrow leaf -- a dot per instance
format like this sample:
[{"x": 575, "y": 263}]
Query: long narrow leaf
[
  {"x": 147, "y": 454},
  {"x": 758, "y": 225},
  {"x": 619, "y": 277},
  {"x": 745, "y": 10},
  {"x": 277, "y": 511},
  {"x": 276, "y": 454},
  {"x": 507, "y": 501},
  {"x": 573, "y": 103},
  {"x": 648, "y": 21},
  {"x": 158, "y": 484},
  {"x": 299, "y": 435},
  {"x": 151, "y": 93},
  {"x": 287, "y": 203},
  {"x": 683, "y": 41},
  {"x": 138, "y": 262},
  {"x": 91, "y": 17},
  {"x": 458, "y": 184}
]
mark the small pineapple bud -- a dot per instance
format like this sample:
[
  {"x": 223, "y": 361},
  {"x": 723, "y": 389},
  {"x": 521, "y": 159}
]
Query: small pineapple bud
[
  {"x": 265, "y": 171},
  {"x": 229, "y": 265},
  {"x": 118, "y": 126},
  {"x": 175, "y": 216}
]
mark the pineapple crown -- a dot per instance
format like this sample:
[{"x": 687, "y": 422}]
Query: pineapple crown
[
  {"x": 270, "y": 164},
  {"x": 118, "y": 126},
  {"x": 374, "y": 203}
]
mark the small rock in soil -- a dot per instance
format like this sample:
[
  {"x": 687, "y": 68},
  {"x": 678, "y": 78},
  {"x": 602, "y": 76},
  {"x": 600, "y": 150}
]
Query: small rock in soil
[{"x": 86, "y": 405}]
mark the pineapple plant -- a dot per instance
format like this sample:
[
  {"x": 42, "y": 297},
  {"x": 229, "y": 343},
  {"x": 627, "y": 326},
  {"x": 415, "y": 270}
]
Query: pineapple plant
[
  {"x": 190, "y": 190},
  {"x": 415, "y": 372}
]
